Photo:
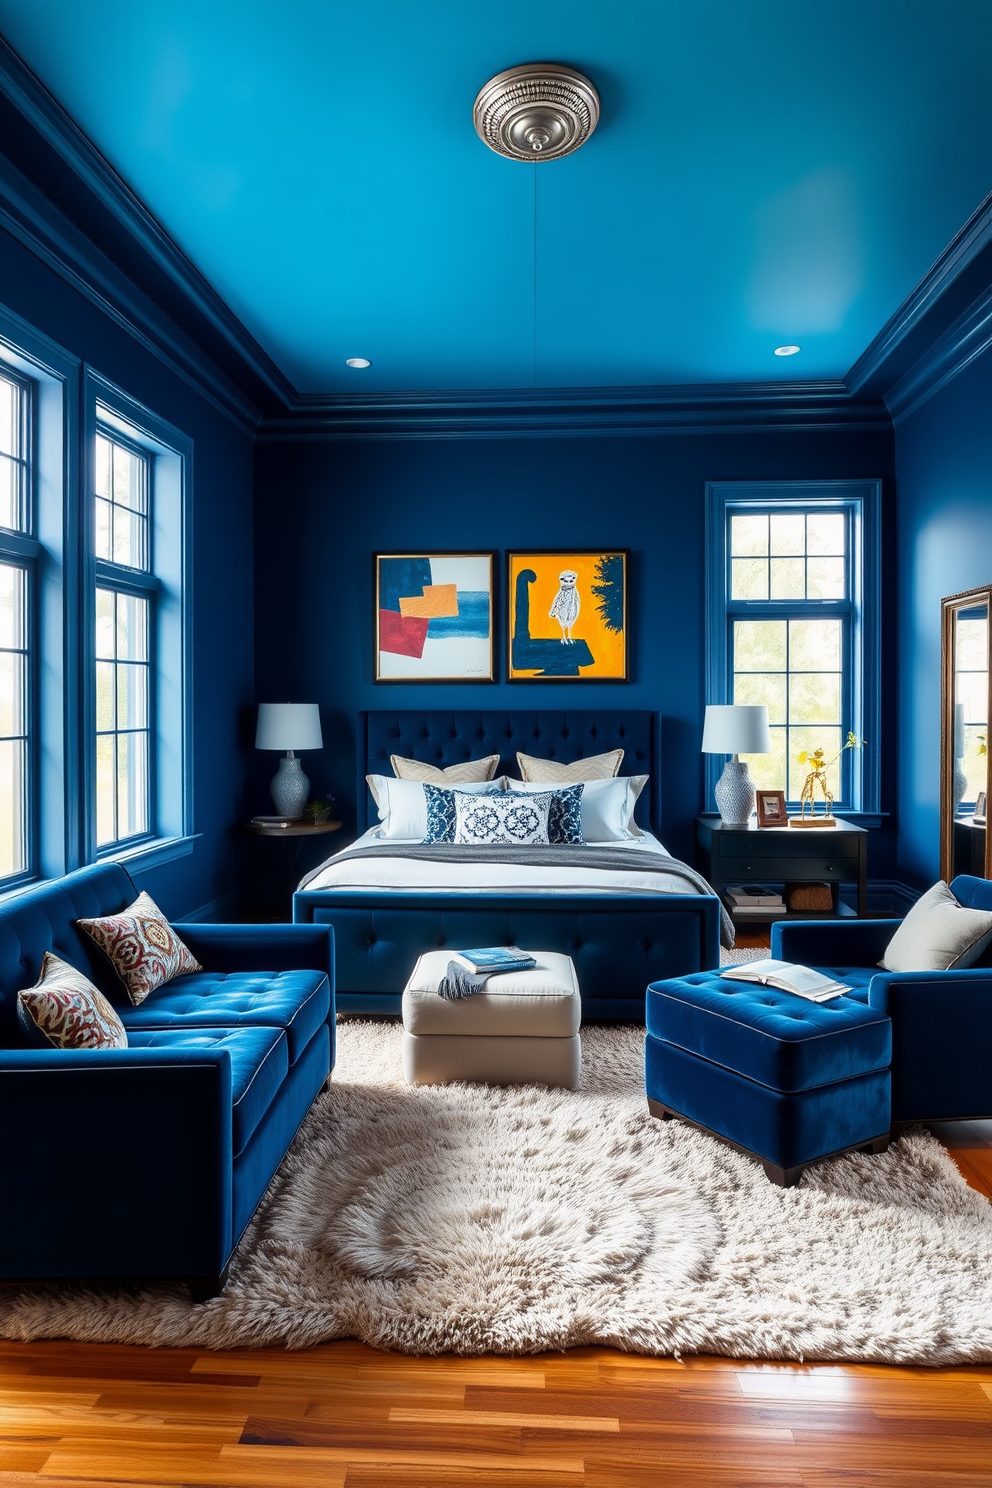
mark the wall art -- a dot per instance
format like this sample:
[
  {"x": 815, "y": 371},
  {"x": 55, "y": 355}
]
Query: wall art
[
  {"x": 567, "y": 616},
  {"x": 434, "y": 617}
]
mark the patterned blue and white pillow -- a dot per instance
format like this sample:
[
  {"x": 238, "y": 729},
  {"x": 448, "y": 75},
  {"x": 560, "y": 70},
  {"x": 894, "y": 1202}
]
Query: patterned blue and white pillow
[
  {"x": 440, "y": 813},
  {"x": 565, "y": 815},
  {"x": 510, "y": 819}
]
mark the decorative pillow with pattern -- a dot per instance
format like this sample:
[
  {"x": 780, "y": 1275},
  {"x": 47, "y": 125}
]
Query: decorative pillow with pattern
[
  {"x": 509, "y": 819},
  {"x": 468, "y": 772},
  {"x": 565, "y": 814},
  {"x": 63, "y": 1010},
  {"x": 142, "y": 947},
  {"x": 440, "y": 814},
  {"x": 553, "y": 772}
]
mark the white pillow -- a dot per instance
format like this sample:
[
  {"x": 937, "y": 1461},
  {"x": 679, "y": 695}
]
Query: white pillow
[
  {"x": 511, "y": 818},
  {"x": 607, "y": 805},
  {"x": 403, "y": 805},
  {"x": 938, "y": 934}
]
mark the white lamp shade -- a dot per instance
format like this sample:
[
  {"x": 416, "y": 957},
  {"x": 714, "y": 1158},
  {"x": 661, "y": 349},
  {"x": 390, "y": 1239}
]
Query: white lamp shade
[
  {"x": 736, "y": 728},
  {"x": 288, "y": 726}
]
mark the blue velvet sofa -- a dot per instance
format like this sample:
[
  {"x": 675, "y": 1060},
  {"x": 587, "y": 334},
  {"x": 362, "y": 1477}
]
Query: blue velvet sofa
[
  {"x": 941, "y": 1020},
  {"x": 150, "y": 1161}
]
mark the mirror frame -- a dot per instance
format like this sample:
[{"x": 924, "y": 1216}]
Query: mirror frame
[{"x": 949, "y": 608}]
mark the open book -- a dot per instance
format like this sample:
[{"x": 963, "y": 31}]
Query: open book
[{"x": 801, "y": 980}]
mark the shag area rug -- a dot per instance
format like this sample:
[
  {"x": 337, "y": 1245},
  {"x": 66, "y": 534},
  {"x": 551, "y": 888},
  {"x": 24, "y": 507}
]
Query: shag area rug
[{"x": 471, "y": 1219}]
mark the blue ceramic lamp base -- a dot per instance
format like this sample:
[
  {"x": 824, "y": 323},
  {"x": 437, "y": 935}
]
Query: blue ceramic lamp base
[{"x": 290, "y": 787}]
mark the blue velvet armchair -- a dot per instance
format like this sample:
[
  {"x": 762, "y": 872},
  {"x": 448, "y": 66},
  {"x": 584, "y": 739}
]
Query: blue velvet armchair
[
  {"x": 941, "y": 1020},
  {"x": 149, "y": 1161}
]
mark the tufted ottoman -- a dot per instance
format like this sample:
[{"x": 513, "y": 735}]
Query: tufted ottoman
[
  {"x": 523, "y": 1029},
  {"x": 788, "y": 1081}
]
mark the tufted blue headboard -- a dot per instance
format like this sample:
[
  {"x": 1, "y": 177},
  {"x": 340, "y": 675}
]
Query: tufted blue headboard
[{"x": 443, "y": 737}]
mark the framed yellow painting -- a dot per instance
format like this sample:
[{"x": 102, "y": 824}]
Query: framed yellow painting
[{"x": 567, "y": 618}]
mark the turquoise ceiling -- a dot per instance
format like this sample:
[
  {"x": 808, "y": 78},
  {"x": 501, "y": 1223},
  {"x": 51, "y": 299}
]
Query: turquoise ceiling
[{"x": 765, "y": 171}]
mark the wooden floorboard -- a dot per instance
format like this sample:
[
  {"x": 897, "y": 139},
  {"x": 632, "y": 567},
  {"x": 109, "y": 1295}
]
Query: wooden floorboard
[{"x": 346, "y": 1416}]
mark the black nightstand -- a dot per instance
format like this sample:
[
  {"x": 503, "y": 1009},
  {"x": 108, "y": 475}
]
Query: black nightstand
[{"x": 833, "y": 855}]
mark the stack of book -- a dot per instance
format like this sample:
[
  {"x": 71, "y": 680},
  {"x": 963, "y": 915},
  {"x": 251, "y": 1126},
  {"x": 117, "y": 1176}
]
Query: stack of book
[
  {"x": 803, "y": 981},
  {"x": 757, "y": 900}
]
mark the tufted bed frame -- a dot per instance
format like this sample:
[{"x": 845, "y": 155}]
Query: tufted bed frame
[{"x": 619, "y": 942}]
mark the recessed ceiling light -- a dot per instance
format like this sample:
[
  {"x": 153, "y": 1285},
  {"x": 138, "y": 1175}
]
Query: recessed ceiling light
[
  {"x": 364, "y": 361},
  {"x": 787, "y": 350}
]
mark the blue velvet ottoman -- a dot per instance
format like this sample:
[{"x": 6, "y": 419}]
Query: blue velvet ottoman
[{"x": 787, "y": 1081}]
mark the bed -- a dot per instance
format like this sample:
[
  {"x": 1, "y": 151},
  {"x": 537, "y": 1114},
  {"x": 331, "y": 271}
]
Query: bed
[{"x": 622, "y": 929}]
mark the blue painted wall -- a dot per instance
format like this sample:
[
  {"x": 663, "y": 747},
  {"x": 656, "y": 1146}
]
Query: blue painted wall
[
  {"x": 324, "y": 507},
  {"x": 944, "y": 546},
  {"x": 222, "y": 563}
]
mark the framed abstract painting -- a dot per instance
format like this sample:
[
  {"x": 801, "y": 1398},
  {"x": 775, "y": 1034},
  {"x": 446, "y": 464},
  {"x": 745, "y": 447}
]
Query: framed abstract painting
[
  {"x": 434, "y": 617},
  {"x": 567, "y": 616}
]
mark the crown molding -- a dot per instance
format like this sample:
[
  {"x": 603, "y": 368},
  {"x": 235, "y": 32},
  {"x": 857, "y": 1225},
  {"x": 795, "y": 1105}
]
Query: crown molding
[
  {"x": 956, "y": 257},
  {"x": 576, "y": 412},
  {"x": 60, "y": 132},
  {"x": 957, "y": 348},
  {"x": 30, "y": 218}
]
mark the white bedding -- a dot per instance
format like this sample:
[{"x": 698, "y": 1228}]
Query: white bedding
[{"x": 413, "y": 875}]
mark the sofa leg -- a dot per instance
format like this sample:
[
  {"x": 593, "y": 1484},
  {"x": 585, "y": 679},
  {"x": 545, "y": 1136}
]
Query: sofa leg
[
  {"x": 880, "y": 1145},
  {"x": 203, "y": 1288},
  {"x": 660, "y": 1111},
  {"x": 782, "y": 1177}
]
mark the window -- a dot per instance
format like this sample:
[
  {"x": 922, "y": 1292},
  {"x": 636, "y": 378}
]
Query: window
[
  {"x": 17, "y": 565},
  {"x": 793, "y": 624},
  {"x": 125, "y": 590}
]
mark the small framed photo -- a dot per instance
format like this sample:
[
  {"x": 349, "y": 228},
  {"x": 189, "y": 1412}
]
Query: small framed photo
[
  {"x": 980, "y": 808},
  {"x": 771, "y": 809}
]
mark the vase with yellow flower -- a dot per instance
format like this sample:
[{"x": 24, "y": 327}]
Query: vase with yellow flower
[{"x": 816, "y": 781}]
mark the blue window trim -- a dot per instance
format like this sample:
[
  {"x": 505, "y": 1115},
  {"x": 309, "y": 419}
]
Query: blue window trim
[
  {"x": 169, "y": 581},
  {"x": 862, "y": 499}
]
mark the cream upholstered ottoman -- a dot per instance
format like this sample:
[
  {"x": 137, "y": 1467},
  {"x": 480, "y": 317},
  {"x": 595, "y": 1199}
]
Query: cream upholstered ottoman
[{"x": 523, "y": 1029}]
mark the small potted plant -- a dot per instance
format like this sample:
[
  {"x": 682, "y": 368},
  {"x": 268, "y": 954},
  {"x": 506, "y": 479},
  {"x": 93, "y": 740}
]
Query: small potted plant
[{"x": 318, "y": 810}]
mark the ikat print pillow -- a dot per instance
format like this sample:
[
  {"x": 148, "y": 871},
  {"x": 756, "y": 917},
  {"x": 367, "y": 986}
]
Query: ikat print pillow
[
  {"x": 63, "y": 1010},
  {"x": 142, "y": 947},
  {"x": 509, "y": 819}
]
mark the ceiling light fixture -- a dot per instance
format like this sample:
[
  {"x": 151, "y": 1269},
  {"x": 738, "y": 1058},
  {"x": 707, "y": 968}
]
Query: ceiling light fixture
[
  {"x": 537, "y": 111},
  {"x": 359, "y": 362},
  {"x": 787, "y": 350}
]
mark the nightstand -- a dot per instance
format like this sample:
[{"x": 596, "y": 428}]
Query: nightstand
[{"x": 779, "y": 855}]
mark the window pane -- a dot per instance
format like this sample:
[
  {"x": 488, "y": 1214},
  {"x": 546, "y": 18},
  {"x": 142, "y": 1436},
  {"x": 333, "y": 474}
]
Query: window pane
[
  {"x": 105, "y": 790},
  {"x": 106, "y": 712},
  {"x": 13, "y": 804},
  {"x": 971, "y": 691},
  {"x": 104, "y": 527},
  {"x": 788, "y": 578},
  {"x": 815, "y": 645},
  {"x": 132, "y": 628},
  {"x": 971, "y": 644},
  {"x": 827, "y": 739},
  {"x": 826, "y": 578},
  {"x": 13, "y": 610},
  {"x": 132, "y": 696},
  {"x": 759, "y": 645},
  {"x": 814, "y": 697},
  {"x": 748, "y": 536},
  {"x": 132, "y": 784},
  {"x": 121, "y": 495},
  {"x": 9, "y": 493},
  {"x": 129, "y": 538},
  {"x": 128, "y": 482},
  {"x": 749, "y": 578},
  {"x": 826, "y": 533},
  {"x": 105, "y": 625},
  {"x": 10, "y": 420},
  {"x": 788, "y": 534},
  {"x": 13, "y": 677},
  {"x": 763, "y": 687}
]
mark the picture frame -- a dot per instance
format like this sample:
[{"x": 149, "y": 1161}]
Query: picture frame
[
  {"x": 980, "y": 812},
  {"x": 434, "y": 617},
  {"x": 771, "y": 809},
  {"x": 566, "y": 615}
]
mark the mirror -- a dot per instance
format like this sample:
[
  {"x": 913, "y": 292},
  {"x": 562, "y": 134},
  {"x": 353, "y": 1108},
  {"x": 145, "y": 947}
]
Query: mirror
[{"x": 964, "y": 735}]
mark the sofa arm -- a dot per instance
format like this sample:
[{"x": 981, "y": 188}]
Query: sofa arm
[
  {"x": 115, "y": 1163},
  {"x": 832, "y": 942},
  {"x": 262, "y": 947},
  {"x": 941, "y": 1037}
]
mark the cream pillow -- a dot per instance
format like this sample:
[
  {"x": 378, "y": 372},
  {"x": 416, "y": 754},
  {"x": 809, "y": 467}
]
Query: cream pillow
[
  {"x": 470, "y": 772},
  {"x": 593, "y": 767},
  {"x": 938, "y": 934}
]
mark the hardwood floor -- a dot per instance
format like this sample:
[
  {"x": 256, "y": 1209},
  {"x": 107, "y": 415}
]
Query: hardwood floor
[{"x": 345, "y": 1416}]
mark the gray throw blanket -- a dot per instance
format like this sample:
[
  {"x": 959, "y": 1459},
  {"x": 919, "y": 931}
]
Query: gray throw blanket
[
  {"x": 587, "y": 855},
  {"x": 459, "y": 982}
]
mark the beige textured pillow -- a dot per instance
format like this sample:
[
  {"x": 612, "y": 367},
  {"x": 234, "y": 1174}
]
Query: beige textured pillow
[
  {"x": 471, "y": 772},
  {"x": 938, "y": 934},
  {"x": 593, "y": 767}
]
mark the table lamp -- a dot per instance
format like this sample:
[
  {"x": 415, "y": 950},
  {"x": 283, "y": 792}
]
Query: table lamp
[
  {"x": 736, "y": 728},
  {"x": 289, "y": 726}
]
